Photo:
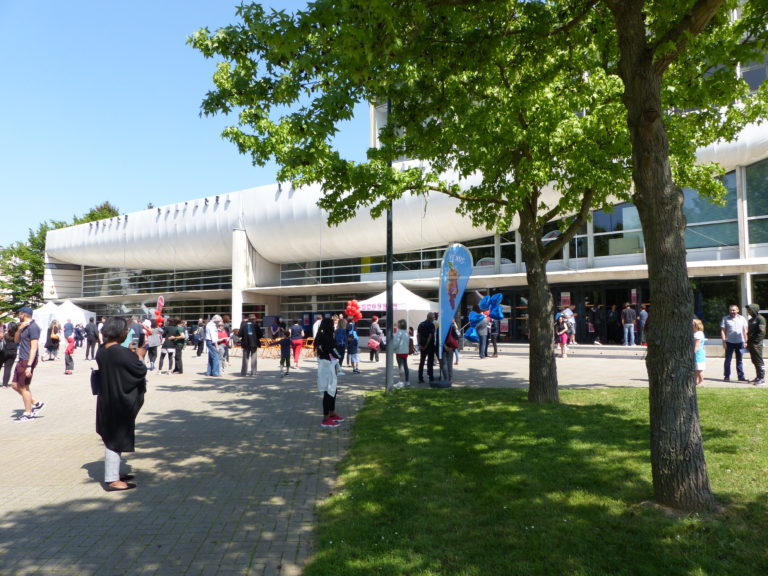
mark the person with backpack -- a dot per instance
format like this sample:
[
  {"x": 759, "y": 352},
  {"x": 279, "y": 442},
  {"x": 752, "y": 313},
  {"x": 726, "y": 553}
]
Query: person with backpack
[
  {"x": 250, "y": 339},
  {"x": 199, "y": 337}
]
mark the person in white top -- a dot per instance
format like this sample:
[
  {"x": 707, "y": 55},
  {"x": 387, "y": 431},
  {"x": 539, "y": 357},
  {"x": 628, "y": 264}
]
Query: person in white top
[
  {"x": 733, "y": 331},
  {"x": 211, "y": 341},
  {"x": 700, "y": 354},
  {"x": 316, "y": 325}
]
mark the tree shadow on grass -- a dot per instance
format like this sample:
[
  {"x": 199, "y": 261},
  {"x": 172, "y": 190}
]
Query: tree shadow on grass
[{"x": 484, "y": 483}]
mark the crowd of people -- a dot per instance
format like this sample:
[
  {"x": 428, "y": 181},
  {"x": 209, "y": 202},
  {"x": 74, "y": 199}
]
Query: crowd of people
[{"x": 126, "y": 350}]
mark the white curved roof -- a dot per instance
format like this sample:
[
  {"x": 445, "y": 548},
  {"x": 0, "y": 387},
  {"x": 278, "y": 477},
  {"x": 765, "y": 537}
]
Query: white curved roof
[{"x": 285, "y": 225}]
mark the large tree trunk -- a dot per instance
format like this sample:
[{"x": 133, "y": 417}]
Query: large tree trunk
[
  {"x": 678, "y": 466},
  {"x": 542, "y": 368}
]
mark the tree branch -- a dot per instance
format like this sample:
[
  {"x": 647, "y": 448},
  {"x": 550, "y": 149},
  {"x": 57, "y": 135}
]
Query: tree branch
[
  {"x": 467, "y": 198},
  {"x": 557, "y": 245},
  {"x": 692, "y": 24},
  {"x": 576, "y": 20}
]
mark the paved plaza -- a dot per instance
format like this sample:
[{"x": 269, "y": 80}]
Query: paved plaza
[{"x": 228, "y": 469}]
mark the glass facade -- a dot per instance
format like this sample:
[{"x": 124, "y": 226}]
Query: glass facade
[
  {"x": 189, "y": 310},
  {"x": 711, "y": 298},
  {"x": 756, "y": 183},
  {"x": 617, "y": 231},
  {"x": 355, "y": 269},
  {"x": 710, "y": 224},
  {"x": 292, "y": 307},
  {"x": 120, "y": 281},
  {"x": 755, "y": 73}
]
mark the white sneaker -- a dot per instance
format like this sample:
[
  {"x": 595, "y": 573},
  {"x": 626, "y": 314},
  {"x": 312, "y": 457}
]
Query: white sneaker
[{"x": 340, "y": 373}]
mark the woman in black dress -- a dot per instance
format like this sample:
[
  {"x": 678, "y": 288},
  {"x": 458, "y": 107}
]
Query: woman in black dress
[{"x": 123, "y": 384}]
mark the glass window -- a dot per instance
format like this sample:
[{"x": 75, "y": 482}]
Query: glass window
[
  {"x": 577, "y": 247},
  {"x": 508, "y": 249},
  {"x": 754, "y": 74},
  {"x": 552, "y": 229},
  {"x": 757, "y": 189},
  {"x": 711, "y": 235},
  {"x": 758, "y": 231},
  {"x": 699, "y": 209},
  {"x": 622, "y": 217},
  {"x": 711, "y": 297},
  {"x": 615, "y": 244}
]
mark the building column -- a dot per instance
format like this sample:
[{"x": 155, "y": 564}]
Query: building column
[
  {"x": 240, "y": 269},
  {"x": 518, "y": 252},
  {"x": 746, "y": 290},
  {"x": 741, "y": 211},
  {"x": 497, "y": 253}
]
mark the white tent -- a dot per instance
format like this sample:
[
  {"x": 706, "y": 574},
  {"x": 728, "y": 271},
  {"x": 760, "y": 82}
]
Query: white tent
[
  {"x": 405, "y": 303},
  {"x": 402, "y": 299},
  {"x": 68, "y": 310},
  {"x": 43, "y": 316}
]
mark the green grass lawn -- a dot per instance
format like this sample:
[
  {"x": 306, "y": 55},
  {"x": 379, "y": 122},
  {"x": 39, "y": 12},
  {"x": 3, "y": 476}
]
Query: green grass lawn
[{"x": 481, "y": 482}]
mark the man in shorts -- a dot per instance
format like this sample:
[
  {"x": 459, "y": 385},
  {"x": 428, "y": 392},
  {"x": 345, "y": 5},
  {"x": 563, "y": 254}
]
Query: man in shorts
[{"x": 28, "y": 336}]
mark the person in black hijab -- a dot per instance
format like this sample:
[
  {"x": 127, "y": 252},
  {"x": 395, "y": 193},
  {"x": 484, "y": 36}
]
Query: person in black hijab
[{"x": 123, "y": 383}]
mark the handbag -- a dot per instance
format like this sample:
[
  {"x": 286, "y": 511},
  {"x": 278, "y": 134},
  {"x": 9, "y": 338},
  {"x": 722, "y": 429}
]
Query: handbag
[
  {"x": 95, "y": 382},
  {"x": 451, "y": 342},
  {"x": 373, "y": 344}
]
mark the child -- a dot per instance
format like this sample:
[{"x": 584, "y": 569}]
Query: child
[
  {"x": 561, "y": 335},
  {"x": 353, "y": 349},
  {"x": 69, "y": 362},
  {"x": 699, "y": 351},
  {"x": 284, "y": 339}
]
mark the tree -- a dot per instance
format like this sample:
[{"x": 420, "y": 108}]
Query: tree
[
  {"x": 22, "y": 265},
  {"x": 674, "y": 63},
  {"x": 677, "y": 63},
  {"x": 459, "y": 101}
]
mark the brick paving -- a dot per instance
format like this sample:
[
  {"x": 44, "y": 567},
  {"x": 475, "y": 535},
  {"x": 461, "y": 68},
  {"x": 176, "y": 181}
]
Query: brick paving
[{"x": 228, "y": 469}]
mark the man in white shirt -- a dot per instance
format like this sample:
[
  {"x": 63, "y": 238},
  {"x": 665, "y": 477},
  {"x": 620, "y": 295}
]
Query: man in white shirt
[
  {"x": 211, "y": 341},
  {"x": 733, "y": 331}
]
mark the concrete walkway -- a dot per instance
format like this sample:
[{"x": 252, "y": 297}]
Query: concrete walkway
[{"x": 228, "y": 469}]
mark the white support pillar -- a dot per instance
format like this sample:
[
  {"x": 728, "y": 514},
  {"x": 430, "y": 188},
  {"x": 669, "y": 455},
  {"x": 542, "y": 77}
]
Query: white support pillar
[
  {"x": 497, "y": 253},
  {"x": 741, "y": 211},
  {"x": 518, "y": 252},
  {"x": 746, "y": 290},
  {"x": 240, "y": 273}
]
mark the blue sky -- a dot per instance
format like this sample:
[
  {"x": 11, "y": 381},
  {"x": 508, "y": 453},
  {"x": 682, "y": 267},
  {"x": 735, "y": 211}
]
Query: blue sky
[{"x": 100, "y": 100}]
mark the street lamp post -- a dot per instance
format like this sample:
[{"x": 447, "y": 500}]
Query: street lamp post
[{"x": 390, "y": 356}]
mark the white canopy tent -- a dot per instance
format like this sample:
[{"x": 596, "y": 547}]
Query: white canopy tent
[
  {"x": 404, "y": 303},
  {"x": 68, "y": 310},
  {"x": 43, "y": 316}
]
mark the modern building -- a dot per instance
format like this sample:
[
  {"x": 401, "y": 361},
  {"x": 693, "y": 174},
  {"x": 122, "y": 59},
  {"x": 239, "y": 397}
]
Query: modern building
[{"x": 270, "y": 251}]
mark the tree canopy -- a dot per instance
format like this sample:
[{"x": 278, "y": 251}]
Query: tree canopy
[{"x": 22, "y": 265}]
